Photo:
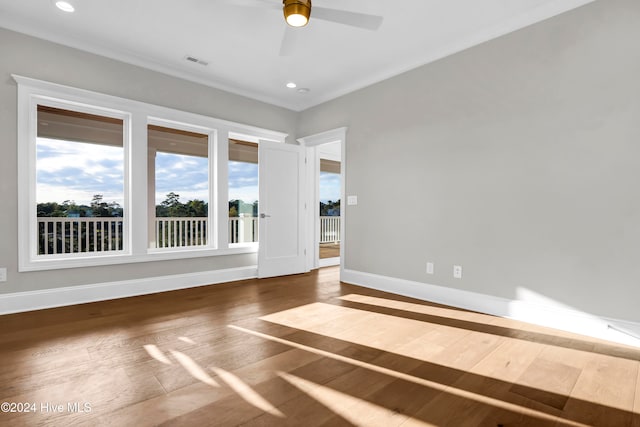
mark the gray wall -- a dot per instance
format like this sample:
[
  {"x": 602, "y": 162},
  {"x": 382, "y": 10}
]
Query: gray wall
[
  {"x": 31, "y": 57},
  {"x": 518, "y": 159}
]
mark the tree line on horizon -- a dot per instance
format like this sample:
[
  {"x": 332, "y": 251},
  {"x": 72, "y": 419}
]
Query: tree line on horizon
[
  {"x": 330, "y": 208},
  {"x": 171, "y": 206},
  {"x": 97, "y": 208}
]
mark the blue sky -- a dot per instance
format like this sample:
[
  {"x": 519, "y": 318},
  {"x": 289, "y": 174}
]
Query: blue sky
[
  {"x": 76, "y": 171},
  {"x": 243, "y": 181},
  {"x": 183, "y": 175},
  {"x": 329, "y": 186}
]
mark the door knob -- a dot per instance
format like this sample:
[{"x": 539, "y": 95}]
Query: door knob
[{"x": 264, "y": 215}]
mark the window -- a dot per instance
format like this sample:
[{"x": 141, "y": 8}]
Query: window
[
  {"x": 80, "y": 203},
  {"x": 243, "y": 192},
  {"x": 106, "y": 180},
  {"x": 179, "y": 171}
]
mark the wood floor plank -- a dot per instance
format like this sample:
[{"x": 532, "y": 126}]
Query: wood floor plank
[
  {"x": 23, "y": 371},
  {"x": 331, "y": 397},
  {"x": 199, "y": 395},
  {"x": 468, "y": 351},
  {"x": 432, "y": 309},
  {"x": 234, "y": 410},
  {"x": 475, "y": 397},
  {"x": 547, "y": 382},
  {"x": 124, "y": 391},
  {"x": 609, "y": 381}
]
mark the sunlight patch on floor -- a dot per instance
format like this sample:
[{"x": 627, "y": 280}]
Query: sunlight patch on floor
[
  {"x": 407, "y": 377},
  {"x": 418, "y": 308},
  {"x": 187, "y": 340},
  {"x": 157, "y": 354},
  {"x": 245, "y": 391},
  {"x": 381, "y": 331},
  {"x": 193, "y": 368},
  {"x": 356, "y": 411}
]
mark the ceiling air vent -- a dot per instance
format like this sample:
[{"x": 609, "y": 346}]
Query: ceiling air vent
[{"x": 196, "y": 60}]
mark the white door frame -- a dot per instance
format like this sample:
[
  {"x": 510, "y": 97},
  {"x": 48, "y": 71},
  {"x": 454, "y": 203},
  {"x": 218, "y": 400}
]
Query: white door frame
[{"x": 311, "y": 143}]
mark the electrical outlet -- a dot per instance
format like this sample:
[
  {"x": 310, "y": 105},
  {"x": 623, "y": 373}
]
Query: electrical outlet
[
  {"x": 457, "y": 272},
  {"x": 3, "y": 274},
  {"x": 429, "y": 268}
]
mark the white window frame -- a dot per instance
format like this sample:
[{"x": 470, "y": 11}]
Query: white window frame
[
  {"x": 212, "y": 145},
  {"x": 136, "y": 116},
  {"x": 249, "y": 138}
]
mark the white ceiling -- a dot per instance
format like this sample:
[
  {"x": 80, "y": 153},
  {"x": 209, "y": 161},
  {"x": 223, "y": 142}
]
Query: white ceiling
[{"x": 240, "y": 39}]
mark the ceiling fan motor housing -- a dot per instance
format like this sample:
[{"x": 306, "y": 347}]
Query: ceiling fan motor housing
[{"x": 297, "y": 12}]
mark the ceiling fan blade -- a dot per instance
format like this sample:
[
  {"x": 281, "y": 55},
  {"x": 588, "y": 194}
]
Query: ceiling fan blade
[
  {"x": 353, "y": 19},
  {"x": 290, "y": 41}
]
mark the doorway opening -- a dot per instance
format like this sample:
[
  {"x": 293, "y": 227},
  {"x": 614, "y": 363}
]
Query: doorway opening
[
  {"x": 329, "y": 192},
  {"x": 325, "y": 176}
]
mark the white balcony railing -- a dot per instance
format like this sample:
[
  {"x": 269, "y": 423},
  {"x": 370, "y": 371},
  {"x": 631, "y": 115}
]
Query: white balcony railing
[
  {"x": 329, "y": 229},
  {"x": 243, "y": 229},
  {"x": 176, "y": 232},
  {"x": 61, "y": 235}
]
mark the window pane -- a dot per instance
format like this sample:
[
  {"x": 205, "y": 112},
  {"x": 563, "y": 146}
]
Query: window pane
[
  {"x": 79, "y": 182},
  {"x": 179, "y": 175},
  {"x": 329, "y": 209},
  {"x": 243, "y": 192}
]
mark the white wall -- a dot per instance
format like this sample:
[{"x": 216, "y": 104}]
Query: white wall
[{"x": 518, "y": 159}]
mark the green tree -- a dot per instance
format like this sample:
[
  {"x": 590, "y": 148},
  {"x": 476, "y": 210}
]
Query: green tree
[
  {"x": 234, "y": 208},
  {"x": 173, "y": 206},
  {"x": 196, "y": 208},
  {"x": 100, "y": 208},
  {"x": 330, "y": 208},
  {"x": 70, "y": 208}
]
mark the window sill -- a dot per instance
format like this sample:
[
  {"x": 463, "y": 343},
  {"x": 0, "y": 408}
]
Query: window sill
[{"x": 153, "y": 255}]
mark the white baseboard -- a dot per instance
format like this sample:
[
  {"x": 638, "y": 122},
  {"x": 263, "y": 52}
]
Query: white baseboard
[
  {"x": 621, "y": 331},
  {"x": 328, "y": 262},
  {"x": 49, "y": 298}
]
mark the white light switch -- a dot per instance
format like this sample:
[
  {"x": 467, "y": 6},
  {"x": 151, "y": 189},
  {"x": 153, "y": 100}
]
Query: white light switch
[
  {"x": 352, "y": 200},
  {"x": 3, "y": 274},
  {"x": 429, "y": 268}
]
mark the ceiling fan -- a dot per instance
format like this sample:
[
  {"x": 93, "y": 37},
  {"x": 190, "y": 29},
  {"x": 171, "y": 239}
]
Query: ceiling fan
[{"x": 297, "y": 13}]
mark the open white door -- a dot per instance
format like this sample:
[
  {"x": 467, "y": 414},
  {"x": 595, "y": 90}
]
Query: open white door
[{"x": 281, "y": 228}]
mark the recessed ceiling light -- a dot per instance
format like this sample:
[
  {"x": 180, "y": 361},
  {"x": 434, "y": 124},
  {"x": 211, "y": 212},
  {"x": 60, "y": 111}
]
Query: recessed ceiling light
[
  {"x": 65, "y": 6},
  {"x": 304, "y": 90},
  {"x": 291, "y": 85}
]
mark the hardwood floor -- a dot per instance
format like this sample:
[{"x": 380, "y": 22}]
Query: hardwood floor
[
  {"x": 305, "y": 351},
  {"x": 329, "y": 250}
]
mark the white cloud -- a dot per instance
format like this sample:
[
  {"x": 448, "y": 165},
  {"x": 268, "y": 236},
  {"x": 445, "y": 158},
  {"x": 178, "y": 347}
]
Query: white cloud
[
  {"x": 329, "y": 186},
  {"x": 77, "y": 171},
  {"x": 246, "y": 194}
]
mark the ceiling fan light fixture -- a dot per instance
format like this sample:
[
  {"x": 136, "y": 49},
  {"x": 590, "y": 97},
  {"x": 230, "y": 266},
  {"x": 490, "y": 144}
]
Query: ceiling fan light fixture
[{"x": 297, "y": 12}]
